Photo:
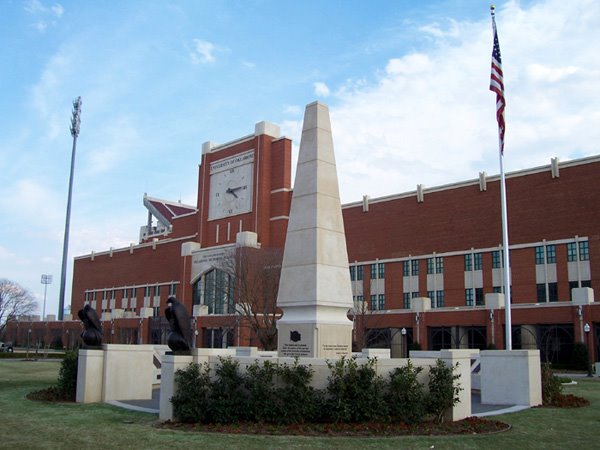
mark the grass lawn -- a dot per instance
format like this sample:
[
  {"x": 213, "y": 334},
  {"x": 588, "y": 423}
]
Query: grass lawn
[{"x": 28, "y": 424}]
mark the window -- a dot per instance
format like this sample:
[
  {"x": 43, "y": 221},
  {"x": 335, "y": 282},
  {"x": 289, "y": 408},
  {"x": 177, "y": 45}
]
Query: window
[
  {"x": 478, "y": 261},
  {"x": 439, "y": 298},
  {"x": 541, "y": 292},
  {"x": 381, "y": 270},
  {"x": 553, "y": 292},
  {"x": 147, "y": 291},
  {"x": 439, "y": 265},
  {"x": 468, "y": 263},
  {"x": 539, "y": 254},
  {"x": 414, "y": 294},
  {"x": 125, "y": 292},
  {"x": 551, "y": 254},
  {"x": 133, "y": 292},
  {"x": 352, "y": 273},
  {"x": 469, "y": 297},
  {"x": 381, "y": 301},
  {"x": 575, "y": 284},
  {"x": 497, "y": 260},
  {"x": 373, "y": 302},
  {"x": 215, "y": 290},
  {"x": 414, "y": 267},
  {"x": 584, "y": 251},
  {"x": 406, "y": 268},
  {"x": 406, "y": 298},
  {"x": 173, "y": 289},
  {"x": 497, "y": 290},
  {"x": 572, "y": 251},
  {"x": 479, "y": 298},
  {"x": 157, "y": 291},
  {"x": 112, "y": 294},
  {"x": 359, "y": 272},
  {"x": 429, "y": 266},
  {"x": 373, "y": 271}
]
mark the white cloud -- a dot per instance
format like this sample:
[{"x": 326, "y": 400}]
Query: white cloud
[
  {"x": 292, "y": 109},
  {"x": 203, "y": 52},
  {"x": 321, "y": 89},
  {"x": 47, "y": 15},
  {"x": 248, "y": 65}
]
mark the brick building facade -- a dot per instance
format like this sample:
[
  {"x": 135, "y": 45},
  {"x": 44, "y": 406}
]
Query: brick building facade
[{"x": 441, "y": 243}]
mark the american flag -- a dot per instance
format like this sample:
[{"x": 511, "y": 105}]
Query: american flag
[{"x": 497, "y": 85}]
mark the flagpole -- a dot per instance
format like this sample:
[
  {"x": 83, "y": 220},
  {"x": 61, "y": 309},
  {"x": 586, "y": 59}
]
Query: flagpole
[{"x": 497, "y": 86}]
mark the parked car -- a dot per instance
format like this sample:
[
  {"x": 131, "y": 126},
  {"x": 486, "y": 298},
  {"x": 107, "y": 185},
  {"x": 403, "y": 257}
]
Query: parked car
[{"x": 6, "y": 347}]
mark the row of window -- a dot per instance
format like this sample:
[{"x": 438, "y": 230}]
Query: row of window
[
  {"x": 109, "y": 294},
  {"x": 547, "y": 253}
]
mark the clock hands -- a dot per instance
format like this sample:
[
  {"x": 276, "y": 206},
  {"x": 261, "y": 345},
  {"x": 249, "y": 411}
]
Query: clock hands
[{"x": 232, "y": 191}]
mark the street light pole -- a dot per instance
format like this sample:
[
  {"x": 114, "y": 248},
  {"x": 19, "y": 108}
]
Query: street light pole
[
  {"x": 586, "y": 328},
  {"x": 75, "y": 122},
  {"x": 46, "y": 280}
]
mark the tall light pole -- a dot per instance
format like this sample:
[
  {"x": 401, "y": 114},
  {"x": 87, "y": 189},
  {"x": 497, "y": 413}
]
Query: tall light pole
[
  {"x": 75, "y": 122},
  {"x": 46, "y": 280}
]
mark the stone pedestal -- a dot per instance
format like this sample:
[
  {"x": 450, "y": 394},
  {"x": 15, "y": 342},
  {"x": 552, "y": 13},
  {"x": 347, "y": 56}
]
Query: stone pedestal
[
  {"x": 168, "y": 387},
  {"x": 90, "y": 369},
  {"x": 128, "y": 372}
]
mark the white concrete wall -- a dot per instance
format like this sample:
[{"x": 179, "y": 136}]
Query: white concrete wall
[
  {"x": 511, "y": 377},
  {"x": 168, "y": 387},
  {"x": 128, "y": 372},
  {"x": 90, "y": 367}
]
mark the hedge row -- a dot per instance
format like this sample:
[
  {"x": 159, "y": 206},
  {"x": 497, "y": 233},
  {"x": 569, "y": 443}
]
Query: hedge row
[{"x": 281, "y": 394}]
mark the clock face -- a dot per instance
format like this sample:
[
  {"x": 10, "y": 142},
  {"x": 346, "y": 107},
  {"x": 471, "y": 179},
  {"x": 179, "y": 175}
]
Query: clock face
[{"x": 231, "y": 186}]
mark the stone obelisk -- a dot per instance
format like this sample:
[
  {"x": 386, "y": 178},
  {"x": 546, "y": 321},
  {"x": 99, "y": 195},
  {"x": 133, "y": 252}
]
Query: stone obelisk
[{"x": 314, "y": 291}]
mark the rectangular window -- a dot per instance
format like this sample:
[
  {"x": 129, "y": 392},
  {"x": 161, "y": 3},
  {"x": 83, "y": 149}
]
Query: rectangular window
[
  {"x": 414, "y": 267},
  {"x": 572, "y": 251},
  {"x": 147, "y": 291},
  {"x": 439, "y": 299},
  {"x": 439, "y": 265},
  {"x": 469, "y": 297},
  {"x": 553, "y": 292},
  {"x": 352, "y": 273},
  {"x": 479, "y": 298},
  {"x": 584, "y": 251},
  {"x": 381, "y": 270},
  {"x": 359, "y": 272},
  {"x": 414, "y": 294},
  {"x": 497, "y": 290},
  {"x": 429, "y": 266},
  {"x": 541, "y": 292},
  {"x": 373, "y": 271},
  {"x": 468, "y": 263},
  {"x": 539, "y": 254},
  {"x": 156, "y": 291},
  {"x": 373, "y": 302},
  {"x": 86, "y": 297},
  {"x": 497, "y": 259},
  {"x": 133, "y": 292},
  {"x": 551, "y": 254},
  {"x": 406, "y": 298},
  {"x": 173, "y": 289},
  {"x": 478, "y": 261},
  {"x": 381, "y": 302},
  {"x": 431, "y": 295},
  {"x": 112, "y": 294},
  {"x": 405, "y": 268}
]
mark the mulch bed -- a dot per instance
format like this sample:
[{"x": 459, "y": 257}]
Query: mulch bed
[
  {"x": 569, "y": 401},
  {"x": 51, "y": 394},
  {"x": 471, "y": 425}
]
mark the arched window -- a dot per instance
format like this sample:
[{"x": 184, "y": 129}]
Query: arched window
[{"x": 215, "y": 290}]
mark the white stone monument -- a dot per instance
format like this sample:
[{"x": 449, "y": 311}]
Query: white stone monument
[{"x": 314, "y": 291}]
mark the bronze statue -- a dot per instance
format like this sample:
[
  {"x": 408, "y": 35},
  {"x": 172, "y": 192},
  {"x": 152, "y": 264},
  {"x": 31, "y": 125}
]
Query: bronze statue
[
  {"x": 92, "y": 335},
  {"x": 179, "y": 319}
]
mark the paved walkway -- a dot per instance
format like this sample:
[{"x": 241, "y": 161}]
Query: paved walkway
[{"x": 477, "y": 409}]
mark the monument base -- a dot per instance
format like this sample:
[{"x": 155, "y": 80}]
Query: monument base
[{"x": 314, "y": 340}]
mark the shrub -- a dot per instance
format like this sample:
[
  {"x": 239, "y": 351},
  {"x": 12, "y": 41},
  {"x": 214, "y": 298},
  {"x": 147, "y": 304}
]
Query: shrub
[
  {"x": 67, "y": 377},
  {"x": 263, "y": 402},
  {"x": 228, "y": 398},
  {"x": 579, "y": 357},
  {"x": 551, "y": 386},
  {"x": 414, "y": 346},
  {"x": 190, "y": 403},
  {"x": 443, "y": 392},
  {"x": 355, "y": 393},
  {"x": 406, "y": 397},
  {"x": 301, "y": 402}
]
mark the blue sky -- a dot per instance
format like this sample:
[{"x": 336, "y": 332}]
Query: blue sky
[{"x": 406, "y": 82}]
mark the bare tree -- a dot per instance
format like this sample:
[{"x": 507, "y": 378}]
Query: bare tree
[
  {"x": 256, "y": 275},
  {"x": 364, "y": 319},
  {"x": 15, "y": 301}
]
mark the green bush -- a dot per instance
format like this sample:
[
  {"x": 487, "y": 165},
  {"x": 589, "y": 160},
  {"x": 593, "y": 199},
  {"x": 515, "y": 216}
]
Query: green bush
[
  {"x": 67, "y": 376},
  {"x": 299, "y": 400},
  {"x": 443, "y": 391},
  {"x": 263, "y": 402},
  {"x": 355, "y": 392},
  {"x": 406, "y": 397},
  {"x": 579, "y": 357},
  {"x": 190, "y": 403},
  {"x": 228, "y": 397},
  {"x": 551, "y": 385}
]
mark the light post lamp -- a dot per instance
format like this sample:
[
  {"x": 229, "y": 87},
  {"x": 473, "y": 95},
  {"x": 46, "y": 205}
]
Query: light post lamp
[
  {"x": 586, "y": 328},
  {"x": 403, "y": 333},
  {"x": 46, "y": 280},
  {"x": 75, "y": 123}
]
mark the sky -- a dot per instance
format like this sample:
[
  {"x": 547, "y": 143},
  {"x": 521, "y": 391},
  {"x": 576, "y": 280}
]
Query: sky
[{"x": 406, "y": 83}]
